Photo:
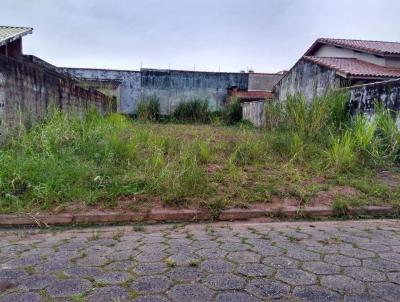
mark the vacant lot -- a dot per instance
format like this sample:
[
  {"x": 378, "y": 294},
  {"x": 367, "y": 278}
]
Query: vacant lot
[{"x": 68, "y": 164}]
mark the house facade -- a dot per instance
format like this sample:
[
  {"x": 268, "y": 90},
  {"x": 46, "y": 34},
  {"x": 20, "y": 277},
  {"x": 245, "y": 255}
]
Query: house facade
[{"x": 335, "y": 63}]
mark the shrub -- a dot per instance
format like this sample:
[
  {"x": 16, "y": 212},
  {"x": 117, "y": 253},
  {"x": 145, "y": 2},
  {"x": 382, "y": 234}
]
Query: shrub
[
  {"x": 149, "y": 109},
  {"x": 194, "y": 111},
  {"x": 232, "y": 113}
]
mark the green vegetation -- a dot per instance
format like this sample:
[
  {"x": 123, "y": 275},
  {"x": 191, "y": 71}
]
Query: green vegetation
[
  {"x": 194, "y": 111},
  {"x": 149, "y": 109},
  {"x": 307, "y": 154}
]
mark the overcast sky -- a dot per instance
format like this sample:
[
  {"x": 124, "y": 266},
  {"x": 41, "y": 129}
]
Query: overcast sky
[{"x": 230, "y": 35}]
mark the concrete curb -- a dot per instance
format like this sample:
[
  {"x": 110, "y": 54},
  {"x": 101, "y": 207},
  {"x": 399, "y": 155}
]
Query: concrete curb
[{"x": 157, "y": 215}]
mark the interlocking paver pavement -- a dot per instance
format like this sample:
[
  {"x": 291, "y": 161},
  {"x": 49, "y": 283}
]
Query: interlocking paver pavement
[{"x": 292, "y": 261}]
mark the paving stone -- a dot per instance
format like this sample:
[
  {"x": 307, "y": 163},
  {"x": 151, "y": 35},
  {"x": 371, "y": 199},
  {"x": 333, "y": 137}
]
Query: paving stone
[
  {"x": 395, "y": 257},
  {"x": 83, "y": 272},
  {"x": 30, "y": 260},
  {"x": 92, "y": 261},
  {"x": 357, "y": 253},
  {"x": 151, "y": 257},
  {"x": 216, "y": 266},
  {"x": 68, "y": 288},
  {"x": 385, "y": 290},
  {"x": 185, "y": 274},
  {"x": 205, "y": 244},
  {"x": 190, "y": 292},
  {"x": 150, "y": 268},
  {"x": 243, "y": 257},
  {"x": 37, "y": 282},
  {"x": 119, "y": 266},
  {"x": 281, "y": 262},
  {"x": 254, "y": 270},
  {"x": 113, "y": 277},
  {"x": 321, "y": 268},
  {"x": 364, "y": 274},
  {"x": 303, "y": 255},
  {"x": 374, "y": 247},
  {"x": 53, "y": 266},
  {"x": 343, "y": 284},
  {"x": 234, "y": 247},
  {"x": 123, "y": 255},
  {"x": 295, "y": 277},
  {"x": 21, "y": 297},
  {"x": 211, "y": 253},
  {"x": 98, "y": 250},
  {"x": 394, "y": 277},
  {"x": 12, "y": 273},
  {"x": 236, "y": 296},
  {"x": 155, "y": 298},
  {"x": 267, "y": 289},
  {"x": 151, "y": 284},
  {"x": 382, "y": 265},
  {"x": 184, "y": 258},
  {"x": 361, "y": 298},
  {"x": 153, "y": 247},
  {"x": 342, "y": 260},
  {"x": 225, "y": 281},
  {"x": 109, "y": 293},
  {"x": 315, "y": 294},
  {"x": 104, "y": 242}
]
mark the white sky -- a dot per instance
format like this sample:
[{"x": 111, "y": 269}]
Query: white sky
[{"x": 230, "y": 35}]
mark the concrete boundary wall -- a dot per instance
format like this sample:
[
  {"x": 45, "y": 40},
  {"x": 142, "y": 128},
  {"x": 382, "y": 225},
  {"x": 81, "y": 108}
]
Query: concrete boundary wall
[
  {"x": 363, "y": 97},
  {"x": 27, "y": 90},
  {"x": 170, "y": 86}
]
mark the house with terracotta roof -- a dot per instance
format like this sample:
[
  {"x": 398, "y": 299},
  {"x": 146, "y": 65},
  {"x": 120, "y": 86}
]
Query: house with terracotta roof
[{"x": 334, "y": 63}]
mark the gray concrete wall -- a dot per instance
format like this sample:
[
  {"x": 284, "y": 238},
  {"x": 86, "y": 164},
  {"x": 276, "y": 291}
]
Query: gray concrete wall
[
  {"x": 130, "y": 89},
  {"x": 254, "y": 112},
  {"x": 308, "y": 79},
  {"x": 363, "y": 97},
  {"x": 27, "y": 90},
  {"x": 169, "y": 86},
  {"x": 174, "y": 86}
]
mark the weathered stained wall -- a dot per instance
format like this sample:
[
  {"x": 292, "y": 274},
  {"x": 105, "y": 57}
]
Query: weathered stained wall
[
  {"x": 174, "y": 86},
  {"x": 129, "y": 90},
  {"x": 27, "y": 90},
  {"x": 169, "y": 86},
  {"x": 254, "y": 112},
  {"x": 308, "y": 79},
  {"x": 363, "y": 97}
]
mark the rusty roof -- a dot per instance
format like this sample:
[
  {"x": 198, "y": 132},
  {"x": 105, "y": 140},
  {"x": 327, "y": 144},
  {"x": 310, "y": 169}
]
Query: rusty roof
[
  {"x": 10, "y": 33},
  {"x": 351, "y": 67},
  {"x": 374, "y": 47}
]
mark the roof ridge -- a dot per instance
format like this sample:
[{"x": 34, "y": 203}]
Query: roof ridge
[{"x": 358, "y": 40}]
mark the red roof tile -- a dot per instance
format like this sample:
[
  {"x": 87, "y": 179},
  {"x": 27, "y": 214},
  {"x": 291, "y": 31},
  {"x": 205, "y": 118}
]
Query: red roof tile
[
  {"x": 355, "y": 67},
  {"x": 375, "y": 47}
]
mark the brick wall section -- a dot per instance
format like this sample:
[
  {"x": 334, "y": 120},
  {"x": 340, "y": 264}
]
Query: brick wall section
[{"x": 27, "y": 91}]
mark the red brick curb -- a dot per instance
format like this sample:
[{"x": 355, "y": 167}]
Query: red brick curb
[{"x": 157, "y": 215}]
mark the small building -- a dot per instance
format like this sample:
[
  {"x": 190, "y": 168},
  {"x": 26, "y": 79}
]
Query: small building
[
  {"x": 334, "y": 63},
  {"x": 11, "y": 40}
]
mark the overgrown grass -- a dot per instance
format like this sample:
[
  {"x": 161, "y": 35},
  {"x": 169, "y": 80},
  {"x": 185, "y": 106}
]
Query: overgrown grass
[{"x": 101, "y": 160}]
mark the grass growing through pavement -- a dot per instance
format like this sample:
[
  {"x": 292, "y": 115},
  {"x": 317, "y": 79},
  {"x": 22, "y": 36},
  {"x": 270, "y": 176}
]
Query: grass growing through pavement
[{"x": 304, "y": 150}]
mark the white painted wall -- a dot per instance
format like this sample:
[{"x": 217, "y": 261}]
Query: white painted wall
[{"x": 332, "y": 51}]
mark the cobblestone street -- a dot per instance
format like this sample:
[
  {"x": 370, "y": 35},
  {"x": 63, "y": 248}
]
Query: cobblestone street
[{"x": 297, "y": 261}]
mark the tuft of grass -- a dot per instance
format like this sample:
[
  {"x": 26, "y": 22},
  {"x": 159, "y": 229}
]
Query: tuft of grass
[
  {"x": 194, "y": 262},
  {"x": 138, "y": 228},
  {"x": 148, "y": 109},
  {"x": 170, "y": 262},
  {"x": 192, "y": 111},
  {"x": 340, "y": 206}
]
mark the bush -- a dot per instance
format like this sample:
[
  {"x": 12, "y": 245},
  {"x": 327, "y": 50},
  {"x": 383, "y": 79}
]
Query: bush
[
  {"x": 149, "y": 109},
  {"x": 232, "y": 113},
  {"x": 194, "y": 111}
]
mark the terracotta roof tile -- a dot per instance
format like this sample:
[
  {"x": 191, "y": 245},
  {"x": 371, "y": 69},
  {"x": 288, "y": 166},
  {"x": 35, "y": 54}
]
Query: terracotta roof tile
[
  {"x": 355, "y": 67},
  {"x": 375, "y": 47}
]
